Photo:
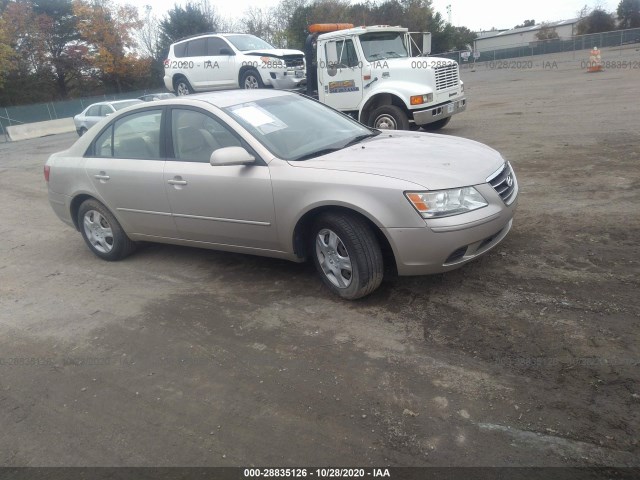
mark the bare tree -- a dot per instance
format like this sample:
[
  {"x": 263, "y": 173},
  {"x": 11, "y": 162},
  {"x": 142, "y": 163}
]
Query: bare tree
[
  {"x": 259, "y": 22},
  {"x": 149, "y": 34}
]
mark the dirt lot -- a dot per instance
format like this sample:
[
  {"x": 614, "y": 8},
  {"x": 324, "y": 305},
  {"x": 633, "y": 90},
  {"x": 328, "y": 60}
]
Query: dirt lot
[{"x": 179, "y": 356}]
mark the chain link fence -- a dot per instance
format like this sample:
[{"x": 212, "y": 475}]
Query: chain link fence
[
  {"x": 617, "y": 38},
  {"x": 41, "y": 112}
]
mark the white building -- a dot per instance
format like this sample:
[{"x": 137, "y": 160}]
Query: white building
[{"x": 520, "y": 37}]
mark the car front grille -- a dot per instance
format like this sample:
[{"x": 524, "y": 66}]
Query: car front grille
[
  {"x": 447, "y": 76},
  {"x": 294, "y": 61},
  {"x": 504, "y": 182}
]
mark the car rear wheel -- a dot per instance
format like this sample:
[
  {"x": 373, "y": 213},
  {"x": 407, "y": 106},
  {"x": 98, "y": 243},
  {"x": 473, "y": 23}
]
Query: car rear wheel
[
  {"x": 182, "y": 87},
  {"x": 251, "y": 79},
  {"x": 430, "y": 127},
  {"x": 347, "y": 255},
  {"x": 389, "y": 117},
  {"x": 102, "y": 232}
]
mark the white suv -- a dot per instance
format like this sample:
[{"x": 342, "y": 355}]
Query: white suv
[{"x": 230, "y": 60}]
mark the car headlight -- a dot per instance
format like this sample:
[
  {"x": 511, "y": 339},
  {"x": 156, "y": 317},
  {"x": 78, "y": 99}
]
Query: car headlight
[{"x": 444, "y": 203}]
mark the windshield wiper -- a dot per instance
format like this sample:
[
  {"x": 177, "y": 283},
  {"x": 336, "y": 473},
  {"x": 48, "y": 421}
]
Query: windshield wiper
[
  {"x": 325, "y": 151},
  {"x": 317, "y": 153},
  {"x": 359, "y": 138},
  {"x": 376, "y": 56}
]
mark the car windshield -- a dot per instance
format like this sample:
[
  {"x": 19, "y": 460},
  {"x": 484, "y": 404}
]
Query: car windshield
[
  {"x": 381, "y": 45},
  {"x": 121, "y": 105},
  {"x": 297, "y": 128},
  {"x": 248, "y": 42}
]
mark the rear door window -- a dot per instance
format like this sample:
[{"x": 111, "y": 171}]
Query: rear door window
[{"x": 135, "y": 136}]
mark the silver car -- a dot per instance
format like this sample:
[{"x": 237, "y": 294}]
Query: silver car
[
  {"x": 276, "y": 174},
  {"x": 97, "y": 111}
]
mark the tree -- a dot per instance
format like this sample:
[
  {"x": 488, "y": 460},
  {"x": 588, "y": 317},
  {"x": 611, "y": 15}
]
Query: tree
[
  {"x": 185, "y": 21},
  {"x": 150, "y": 46},
  {"x": 109, "y": 32},
  {"x": 260, "y": 22},
  {"x": 59, "y": 31},
  {"x": 595, "y": 22},
  {"x": 6, "y": 54},
  {"x": 526, "y": 23},
  {"x": 547, "y": 32},
  {"x": 30, "y": 78},
  {"x": 629, "y": 13}
]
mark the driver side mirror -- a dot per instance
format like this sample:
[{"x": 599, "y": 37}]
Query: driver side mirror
[{"x": 231, "y": 156}]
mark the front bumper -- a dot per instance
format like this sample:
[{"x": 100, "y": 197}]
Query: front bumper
[
  {"x": 439, "y": 112},
  {"x": 448, "y": 243},
  {"x": 284, "y": 80}
]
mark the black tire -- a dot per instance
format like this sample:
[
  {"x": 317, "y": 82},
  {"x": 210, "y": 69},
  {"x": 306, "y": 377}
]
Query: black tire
[
  {"x": 182, "y": 86},
  {"x": 355, "y": 242},
  {"x": 94, "y": 222},
  {"x": 251, "y": 79},
  {"x": 431, "y": 127},
  {"x": 389, "y": 117},
  {"x": 82, "y": 131}
]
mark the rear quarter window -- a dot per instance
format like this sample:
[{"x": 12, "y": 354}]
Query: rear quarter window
[{"x": 180, "y": 49}]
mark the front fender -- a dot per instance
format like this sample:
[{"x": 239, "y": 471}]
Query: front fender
[{"x": 399, "y": 89}]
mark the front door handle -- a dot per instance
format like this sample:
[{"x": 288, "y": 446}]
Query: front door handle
[{"x": 177, "y": 181}]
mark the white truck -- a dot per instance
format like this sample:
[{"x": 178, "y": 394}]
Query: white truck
[{"x": 370, "y": 73}]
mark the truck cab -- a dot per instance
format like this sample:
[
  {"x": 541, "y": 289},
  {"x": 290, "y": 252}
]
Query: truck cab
[{"x": 369, "y": 73}]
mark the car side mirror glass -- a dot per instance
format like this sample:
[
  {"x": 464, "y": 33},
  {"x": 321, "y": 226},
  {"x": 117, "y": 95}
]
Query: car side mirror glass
[
  {"x": 226, "y": 51},
  {"x": 231, "y": 156}
]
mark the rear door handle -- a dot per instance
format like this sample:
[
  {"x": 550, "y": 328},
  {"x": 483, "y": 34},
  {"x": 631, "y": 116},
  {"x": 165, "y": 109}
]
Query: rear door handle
[{"x": 102, "y": 176}]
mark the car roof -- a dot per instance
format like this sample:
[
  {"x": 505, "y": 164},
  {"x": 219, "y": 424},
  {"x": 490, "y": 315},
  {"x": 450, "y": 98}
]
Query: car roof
[
  {"x": 210, "y": 34},
  {"x": 112, "y": 102},
  {"x": 122, "y": 101},
  {"x": 227, "y": 98}
]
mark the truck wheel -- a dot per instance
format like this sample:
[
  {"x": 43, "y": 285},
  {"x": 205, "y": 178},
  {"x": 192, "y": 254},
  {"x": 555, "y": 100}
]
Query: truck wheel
[
  {"x": 389, "y": 117},
  {"x": 347, "y": 255},
  {"x": 182, "y": 87},
  {"x": 251, "y": 79},
  {"x": 436, "y": 125}
]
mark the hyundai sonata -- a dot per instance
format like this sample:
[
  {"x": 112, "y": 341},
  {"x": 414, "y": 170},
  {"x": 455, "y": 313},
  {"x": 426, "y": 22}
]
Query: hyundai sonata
[{"x": 273, "y": 173}]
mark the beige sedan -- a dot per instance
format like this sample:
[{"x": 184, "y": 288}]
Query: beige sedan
[{"x": 276, "y": 174}]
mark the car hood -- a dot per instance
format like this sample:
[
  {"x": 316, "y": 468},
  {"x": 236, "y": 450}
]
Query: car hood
[
  {"x": 431, "y": 161},
  {"x": 274, "y": 52}
]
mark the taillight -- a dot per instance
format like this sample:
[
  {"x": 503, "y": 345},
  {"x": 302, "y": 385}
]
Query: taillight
[{"x": 47, "y": 169}]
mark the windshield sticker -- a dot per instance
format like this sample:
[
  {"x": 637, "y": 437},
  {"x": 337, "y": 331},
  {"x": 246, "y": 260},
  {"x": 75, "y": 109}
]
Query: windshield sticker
[
  {"x": 343, "y": 86},
  {"x": 259, "y": 118}
]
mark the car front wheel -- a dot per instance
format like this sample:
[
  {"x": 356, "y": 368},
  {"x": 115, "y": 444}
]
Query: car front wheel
[
  {"x": 251, "y": 79},
  {"x": 102, "y": 233},
  {"x": 347, "y": 255}
]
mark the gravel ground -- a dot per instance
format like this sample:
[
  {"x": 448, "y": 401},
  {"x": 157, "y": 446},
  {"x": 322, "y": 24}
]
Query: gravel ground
[{"x": 176, "y": 356}]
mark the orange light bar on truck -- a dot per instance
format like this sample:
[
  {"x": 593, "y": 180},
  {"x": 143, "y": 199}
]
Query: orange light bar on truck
[{"x": 328, "y": 27}]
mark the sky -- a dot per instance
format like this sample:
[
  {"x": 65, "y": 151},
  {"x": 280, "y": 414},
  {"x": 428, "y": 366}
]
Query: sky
[{"x": 474, "y": 14}]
